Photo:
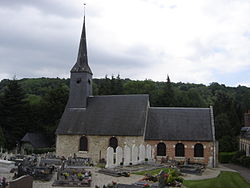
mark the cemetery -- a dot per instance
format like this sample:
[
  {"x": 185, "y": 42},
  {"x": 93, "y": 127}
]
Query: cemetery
[{"x": 78, "y": 171}]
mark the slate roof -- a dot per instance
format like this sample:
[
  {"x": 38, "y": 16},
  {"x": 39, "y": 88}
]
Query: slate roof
[
  {"x": 179, "y": 124},
  {"x": 120, "y": 115},
  {"x": 37, "y": 140},
  {"x": 82, "y": 58},
  {"x": 245, "y": 132}
]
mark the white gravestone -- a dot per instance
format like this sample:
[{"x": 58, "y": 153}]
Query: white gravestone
[
  {"x": 127, "y": 154},
  {"x": 148, "y": 152},
  {"x": 141, "y": 153},
  {"x": 134, "y": 154},
  {"x": 119, "y": 155},
  {"x": 110, "y": 158}
]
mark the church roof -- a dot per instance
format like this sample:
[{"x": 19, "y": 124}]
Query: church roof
[
  {"x": 179, "y": 124},
  {"x": 82, "y": 59},
  {"x": 114, "y": 115},
  {"x": 37, "y": 140},
  {"x": 245, "y": 132}
]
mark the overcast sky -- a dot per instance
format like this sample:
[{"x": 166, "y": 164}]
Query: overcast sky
[{"x": 198, "y": 41}]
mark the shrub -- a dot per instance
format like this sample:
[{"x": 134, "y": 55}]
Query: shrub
[
  {"x": 43, "y": 150},
  {"x": 226, "y": 157}
]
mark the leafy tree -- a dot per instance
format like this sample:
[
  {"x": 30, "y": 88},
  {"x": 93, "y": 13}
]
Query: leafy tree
[{"x": 52, "y": 107}]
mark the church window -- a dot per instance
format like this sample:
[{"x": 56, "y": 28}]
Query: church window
[
  {"x": 83, "y": 144},
  {"x": 198, "y": 150},
  {"x": 161, "y": 149},
  {"x": 113, "y": 142},
  {"x": 179, "y": 150}
]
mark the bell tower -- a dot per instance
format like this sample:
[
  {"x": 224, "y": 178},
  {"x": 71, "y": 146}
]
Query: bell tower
[{"x": 80, "y": 76}]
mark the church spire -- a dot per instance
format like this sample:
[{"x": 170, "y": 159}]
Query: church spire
[{"x": 82, "y": 59}]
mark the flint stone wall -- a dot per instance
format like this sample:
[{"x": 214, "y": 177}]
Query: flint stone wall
[{"x": 67, "y": 145}]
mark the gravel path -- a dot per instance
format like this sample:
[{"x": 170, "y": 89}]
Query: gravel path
[
  {"x": 102, "y": 179},
  {"x": 208, "y": 174},
  {"x": 97, "y": 179},
  {"x": 244, "y": 172}
]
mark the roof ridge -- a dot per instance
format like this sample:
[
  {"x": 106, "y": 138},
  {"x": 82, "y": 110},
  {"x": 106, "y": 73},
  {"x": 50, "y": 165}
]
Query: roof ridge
[
  {"x": 179, "y": 108},
  {"x": 129, "y": 95}
]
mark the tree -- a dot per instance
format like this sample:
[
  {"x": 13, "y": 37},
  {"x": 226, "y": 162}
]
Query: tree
[
  {"x": 14, "y": 112},
  {"x": 167, "y": 95},
  {"x": 52, "y": 107},
  {"x": 2, "y": 137}
]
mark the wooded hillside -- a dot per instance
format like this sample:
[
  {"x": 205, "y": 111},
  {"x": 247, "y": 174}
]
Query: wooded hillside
[{"x": 36, "y": 105}]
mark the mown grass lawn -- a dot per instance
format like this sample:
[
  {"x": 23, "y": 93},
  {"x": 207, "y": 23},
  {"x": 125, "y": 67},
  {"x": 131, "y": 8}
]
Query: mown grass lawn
[
  {"x": 224, "y": 180},
  {"x": 152, "y": 172}
]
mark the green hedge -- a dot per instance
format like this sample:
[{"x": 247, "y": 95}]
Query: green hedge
[
  {"x": 240, "y": 158},
  {"x": 43, "y": 150},
  {"x": 39, "y": 151},
  {"x": 226, "y": 157}
]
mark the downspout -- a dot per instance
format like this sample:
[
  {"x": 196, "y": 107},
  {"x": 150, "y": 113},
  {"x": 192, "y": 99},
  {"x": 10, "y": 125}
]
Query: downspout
[{"x": 213, "y": 134}]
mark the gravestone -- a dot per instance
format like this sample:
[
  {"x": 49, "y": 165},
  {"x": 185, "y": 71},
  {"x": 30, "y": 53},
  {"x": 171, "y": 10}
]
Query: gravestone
[
  {"x": 22, "y": 182},
  {"x": 153, "y": 154},
  {"x": 127, "y": 154},
  {"x": 141, "y": 153},
  {"x": 110, "y": 158},
  {"x": 134, "y": 154},
  {"x": 210, "y": 162},
  {"x": 148, "y": 152},
  {"x": 119, "y": 155},
  {"x": 161, "y": 183}
]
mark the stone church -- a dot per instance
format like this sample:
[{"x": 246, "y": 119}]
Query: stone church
[{"x": 90, "y": 124}]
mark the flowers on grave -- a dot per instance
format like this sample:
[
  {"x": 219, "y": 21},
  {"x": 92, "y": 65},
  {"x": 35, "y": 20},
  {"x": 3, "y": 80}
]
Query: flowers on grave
[
  {"x": 80, "y": 176},
  {"x": 74, "y": 171},
  {"x": 66, "y": 175},
  {"x": 146, "y": 185}
]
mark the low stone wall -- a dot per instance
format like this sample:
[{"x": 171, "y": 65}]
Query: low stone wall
[{"x": 22, "y": 182}]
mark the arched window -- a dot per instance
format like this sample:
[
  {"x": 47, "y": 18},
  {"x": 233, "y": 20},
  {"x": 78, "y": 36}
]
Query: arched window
[
  {"x": 161, "y": 149},
  {"x": 198, "y": 150},
  {"x": 179, "y": 150},
  {"x": 113, "y": 142},
  {"x": 83, "y": 146}
]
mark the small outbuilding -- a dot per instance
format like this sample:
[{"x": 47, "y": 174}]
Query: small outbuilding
[{"x": 32, "y": 141}]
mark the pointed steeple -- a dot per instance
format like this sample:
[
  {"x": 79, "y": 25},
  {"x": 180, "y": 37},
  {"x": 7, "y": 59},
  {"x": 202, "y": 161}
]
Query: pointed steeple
[{"x": 82, "y": 59}]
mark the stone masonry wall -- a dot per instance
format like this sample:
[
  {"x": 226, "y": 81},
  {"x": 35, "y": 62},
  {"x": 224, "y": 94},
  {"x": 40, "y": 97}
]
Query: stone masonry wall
[
  {"x": 67, "y": 145},
  {"x": 189, "y": 150}
]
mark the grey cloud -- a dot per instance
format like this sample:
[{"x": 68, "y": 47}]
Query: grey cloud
[{"x": 55, "y": 7}]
